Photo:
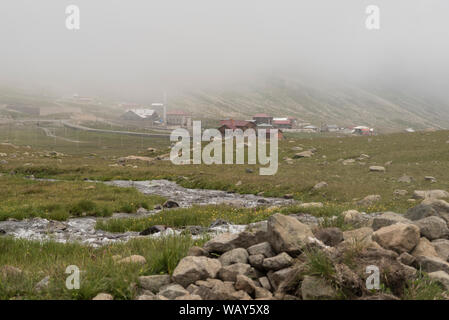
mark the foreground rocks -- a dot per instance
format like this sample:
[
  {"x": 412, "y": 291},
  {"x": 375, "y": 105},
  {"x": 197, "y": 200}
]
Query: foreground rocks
[{"x": 284, "y": 258}]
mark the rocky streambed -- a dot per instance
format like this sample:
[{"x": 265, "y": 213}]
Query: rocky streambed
[{"x": 83, "y": 229}]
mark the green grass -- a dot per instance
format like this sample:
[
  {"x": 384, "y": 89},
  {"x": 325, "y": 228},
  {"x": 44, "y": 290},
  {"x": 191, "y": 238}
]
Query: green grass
[
  {"x": 99, "y": 271},
  {"x": 194, "y": 216},
  {"x": 417, "y": 154},
  {"x": 22, "y": 198},
  {"x": 423, "y": 288}
]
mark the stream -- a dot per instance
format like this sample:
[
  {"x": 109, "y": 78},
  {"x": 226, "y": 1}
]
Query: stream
[{"x": 83, "y": 229}]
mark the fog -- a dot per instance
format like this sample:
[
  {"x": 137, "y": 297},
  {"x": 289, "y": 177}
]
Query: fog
[{"x": 136, "y": 49}]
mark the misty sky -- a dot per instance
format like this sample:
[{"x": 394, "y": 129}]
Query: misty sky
[{"x": 137, "y": 48}]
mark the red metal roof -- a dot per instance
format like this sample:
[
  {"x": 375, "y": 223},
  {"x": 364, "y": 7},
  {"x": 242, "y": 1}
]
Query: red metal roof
[
  {"x": 282, "y": 122},
  {"x": 233, "y": 124}
]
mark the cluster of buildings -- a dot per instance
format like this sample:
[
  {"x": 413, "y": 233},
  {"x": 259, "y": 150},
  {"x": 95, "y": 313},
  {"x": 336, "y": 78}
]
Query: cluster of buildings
[{"x": 158, "y": 115}]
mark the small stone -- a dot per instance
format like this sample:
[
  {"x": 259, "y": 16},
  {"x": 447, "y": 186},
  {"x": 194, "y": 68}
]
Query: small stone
[
  {"x": 43, "y": 284},
  {"x": 152, "y": 230},
  {"x": 320, "y": 185},
  {"x": 133, "y": 259},
  {"x": 103, "y": 296},
  {"x": 170, "y": 204},
  {"x": 369, "y": 200},
  {"x": 377, "y": 169}
]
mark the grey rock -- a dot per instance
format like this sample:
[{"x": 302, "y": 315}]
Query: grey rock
[
  {"x": 238, "y": 255},
  {"x": 153, "y": 283},
  {"x": 191, "y": 269},
  {"x": 387, "y": 219},
  {"x": 314, "y": 288},
  {"x": 281, "y": 261},
  {"x": 263, "y": 248},
  {"x": 433, "y": 227},
  {"x": 172, "y": 291}
]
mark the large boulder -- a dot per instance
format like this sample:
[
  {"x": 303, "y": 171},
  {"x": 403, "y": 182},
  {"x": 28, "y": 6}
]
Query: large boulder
[
  {"x": 433, "y": 227},
  {"x": 369, "y": 200},
  {"x": 315, "y": 288},
  {"x": 191, "y": 269},
  {"x": 388, "y": 218},
  {"x": 399, "y": 237},
  {"x": 287, "y": 234},
  {"x": 238, "y": 255}
]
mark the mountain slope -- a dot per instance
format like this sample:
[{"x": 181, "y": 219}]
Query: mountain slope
[{"x": 318, "y": 102}]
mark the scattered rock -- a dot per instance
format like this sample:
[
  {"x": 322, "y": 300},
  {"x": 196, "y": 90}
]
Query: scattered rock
[
  {"x": 405, "y": 179},
  {"x": 432, "y": 264},
  {"x": 43, "y": 284},
  {"x": 191, "y": 269},
  {"x": 430, "y": 194},
  {"x": 170, "y": 204},
  {"x": 133, "y": 259},
  {"x": 352, "y": 217},
  {"x": 152, "y": 230},
  {"x": 103, "y": 296},
  {"x": 222, "y": 243},
  {"x": 430, "y": 178},
  {"x": 7, "y": 271},
  {"x": 348, "y": 162},
  {"x": 399, "y": 237},
  {"x": 369, "y": 200},
  {"x": 320, "y": 185},
  {"x": 288, "y": 196},
  {"x": 256, "y": 260},
  {"x": 310, "y": 205},
  {"x": 407, "y": 258},
  {"x": 304, "y": 154},
  {"x": 377, "y": 169},
  {"x": 219, "y": 222},
  {"x": 400, "y": 193}
]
